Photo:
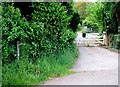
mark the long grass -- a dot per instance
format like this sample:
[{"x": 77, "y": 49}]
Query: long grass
[
  {"x": 0, "y": 72},
  {"x": 24, "y": 72}
]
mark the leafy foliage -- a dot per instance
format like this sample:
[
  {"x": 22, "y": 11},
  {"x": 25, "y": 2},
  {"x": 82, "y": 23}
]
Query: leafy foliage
[
  {"x": 111, "y": 22},
  {"x": 47, "y": 32},
  {"x": 12, "y": 30},
  {"x": 115, "y": 41},
  {"x": 94, "y": 16},
  {"x": 81, "y": 8},
  {"x": 73, "y": 13},
  {"x": 101, "y": 16},
  {"x": 28, "y": 73},
  {"x": 109, "y": 18},
  {"x": 46, "y": 43},
  {"x": 104, "y": 16}
]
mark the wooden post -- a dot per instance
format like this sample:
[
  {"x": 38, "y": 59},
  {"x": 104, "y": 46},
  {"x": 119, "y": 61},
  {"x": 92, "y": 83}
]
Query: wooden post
[
  {"x": 18, "y": 53},
  {"x": 104, "y": 36},
  {"x": 107, "y": 38}
]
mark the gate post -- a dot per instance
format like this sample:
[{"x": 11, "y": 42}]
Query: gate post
[
  {"x": 107, "y": 40},
  {"x": 104, "y": 36}
]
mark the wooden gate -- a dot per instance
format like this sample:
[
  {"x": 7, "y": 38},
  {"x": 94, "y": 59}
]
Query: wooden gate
[{"x": 91, "y": 39}]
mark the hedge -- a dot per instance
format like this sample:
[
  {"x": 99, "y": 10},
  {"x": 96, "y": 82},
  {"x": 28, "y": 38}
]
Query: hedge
[{"x": 115, "y": 41}]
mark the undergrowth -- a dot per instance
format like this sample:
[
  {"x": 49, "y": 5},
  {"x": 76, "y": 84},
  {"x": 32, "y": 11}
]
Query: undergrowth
[{"x": 24, "y": 72}]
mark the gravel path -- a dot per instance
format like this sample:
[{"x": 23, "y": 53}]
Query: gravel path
[{"x": 95, "y": 66}]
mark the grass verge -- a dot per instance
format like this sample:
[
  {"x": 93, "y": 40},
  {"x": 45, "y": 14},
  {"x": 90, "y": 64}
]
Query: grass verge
[
  {"x": 24, "y": 72},
  {"x": 111, "y": 49}
]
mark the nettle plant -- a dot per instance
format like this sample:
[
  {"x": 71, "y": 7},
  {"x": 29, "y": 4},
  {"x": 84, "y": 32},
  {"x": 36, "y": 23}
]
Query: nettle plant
[{"x": 47, "y": 32}]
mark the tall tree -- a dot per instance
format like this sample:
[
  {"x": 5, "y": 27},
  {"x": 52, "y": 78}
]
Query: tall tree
[
  {"x": 109, "y": 17},
  {"x": 81, "y": 6},
  {"x": 73, "y": 13},
  {"x": 94, "y": 15}
]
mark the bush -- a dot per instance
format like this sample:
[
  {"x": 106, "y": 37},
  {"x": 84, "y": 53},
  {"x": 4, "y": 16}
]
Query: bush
[
  {"x": 13, "y": 27},
  {"x": 55, "y": 33},
  {"x": 47, "y": 43},
  {"x": 48, "y": 31},
  {"x": 115, "y": 41}
]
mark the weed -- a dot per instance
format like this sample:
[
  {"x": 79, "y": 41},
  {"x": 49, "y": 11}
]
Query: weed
[{"x": 24, "y": 72}]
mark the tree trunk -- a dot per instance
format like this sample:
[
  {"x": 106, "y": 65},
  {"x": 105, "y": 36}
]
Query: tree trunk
[{"x": 107, "y": 38}]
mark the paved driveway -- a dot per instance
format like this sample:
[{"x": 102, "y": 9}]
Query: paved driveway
[{"x": 95, "y": 66}]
